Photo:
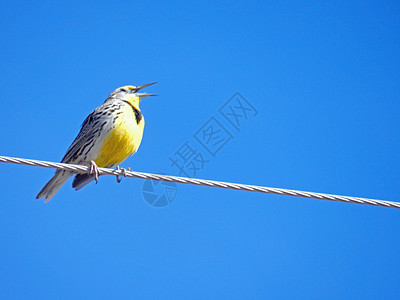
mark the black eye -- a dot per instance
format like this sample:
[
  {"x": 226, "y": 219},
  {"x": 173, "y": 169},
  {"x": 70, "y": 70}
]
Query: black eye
[{"x": 123, "y": 90}]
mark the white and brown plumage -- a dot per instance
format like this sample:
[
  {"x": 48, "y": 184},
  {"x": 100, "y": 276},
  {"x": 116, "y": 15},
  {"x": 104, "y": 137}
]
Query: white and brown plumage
[{"x": 110, "y": 134}]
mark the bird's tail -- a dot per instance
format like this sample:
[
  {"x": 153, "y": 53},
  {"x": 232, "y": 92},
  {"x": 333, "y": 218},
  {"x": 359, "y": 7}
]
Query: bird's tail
[
  {"x": 81, "y": 180},
  {"x": 54, "y": 184}
]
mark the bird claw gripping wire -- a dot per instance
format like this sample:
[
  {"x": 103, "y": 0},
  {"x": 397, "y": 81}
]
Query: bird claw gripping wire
[
  {"x": 94, "y": 169},
  {"x": 123, "y": 172}
]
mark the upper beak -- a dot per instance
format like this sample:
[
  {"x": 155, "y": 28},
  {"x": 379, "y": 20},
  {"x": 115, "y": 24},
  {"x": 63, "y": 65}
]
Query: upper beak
[
  {"x": 142, "y": 95},
  {"x": 138, "y": 88}
]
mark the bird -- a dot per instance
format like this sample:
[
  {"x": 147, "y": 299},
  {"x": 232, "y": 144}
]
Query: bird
[{"x": 108, "y": 136}]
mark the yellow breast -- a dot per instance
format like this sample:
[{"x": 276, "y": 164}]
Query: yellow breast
[{"x": 122, "y": 141}]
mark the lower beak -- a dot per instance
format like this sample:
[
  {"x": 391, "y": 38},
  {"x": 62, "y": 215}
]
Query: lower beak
[
  {"x": 142, "y": 95},
  {"x": 138, "y": 88}
]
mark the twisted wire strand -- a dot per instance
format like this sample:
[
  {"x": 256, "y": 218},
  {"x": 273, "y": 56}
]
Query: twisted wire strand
[{"x": 202, "y": 182}]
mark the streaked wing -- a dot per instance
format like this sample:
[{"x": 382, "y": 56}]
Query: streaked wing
[{"x": 90, "y": 131}]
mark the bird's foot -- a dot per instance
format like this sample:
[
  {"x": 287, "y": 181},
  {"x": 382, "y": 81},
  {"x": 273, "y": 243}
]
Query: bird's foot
[
  {"x": 123, "y": 172},
  {"x": 94, "y": 169}
]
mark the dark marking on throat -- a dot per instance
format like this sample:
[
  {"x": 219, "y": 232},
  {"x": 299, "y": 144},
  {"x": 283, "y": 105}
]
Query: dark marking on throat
[{"x": 138, "y": 114}]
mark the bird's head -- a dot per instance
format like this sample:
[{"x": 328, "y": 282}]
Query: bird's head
[{"x": 129, "y": 93}]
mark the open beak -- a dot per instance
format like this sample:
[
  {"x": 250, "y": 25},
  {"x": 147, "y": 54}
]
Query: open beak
[
  {"x": 142, "y": 95},
  {"x": 138, "y": 88}
]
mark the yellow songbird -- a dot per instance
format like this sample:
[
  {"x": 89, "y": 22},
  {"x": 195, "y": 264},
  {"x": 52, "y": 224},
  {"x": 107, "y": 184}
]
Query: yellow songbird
[{"x": 111, "y": 133}]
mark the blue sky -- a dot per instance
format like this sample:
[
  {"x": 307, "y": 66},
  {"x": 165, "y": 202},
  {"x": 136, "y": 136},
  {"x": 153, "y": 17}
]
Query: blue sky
[{"x": 323, "y": 79}]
